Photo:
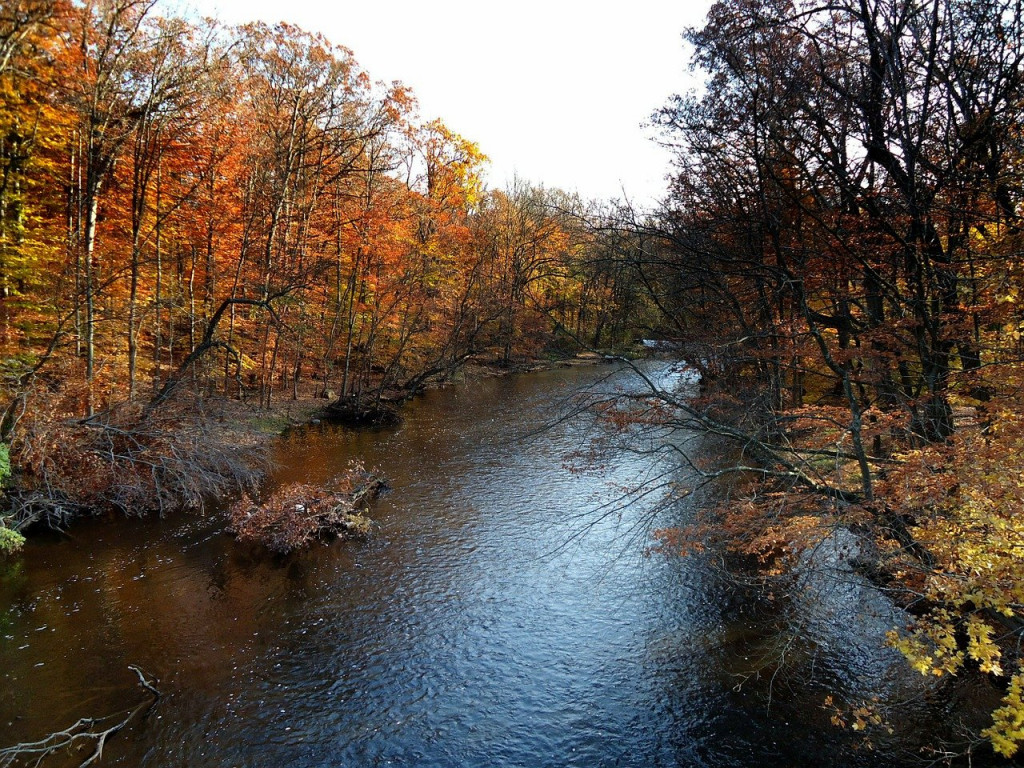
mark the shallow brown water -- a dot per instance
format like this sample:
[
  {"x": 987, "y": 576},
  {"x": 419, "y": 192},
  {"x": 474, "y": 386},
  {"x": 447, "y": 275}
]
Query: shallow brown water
[{"x": 497, "y": 617}]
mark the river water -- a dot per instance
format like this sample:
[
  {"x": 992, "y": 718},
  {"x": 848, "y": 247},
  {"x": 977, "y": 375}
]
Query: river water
[{"x": 506, "y": 612}]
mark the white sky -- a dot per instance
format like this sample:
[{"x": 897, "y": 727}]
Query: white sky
[{"x": 553, "y": 91}]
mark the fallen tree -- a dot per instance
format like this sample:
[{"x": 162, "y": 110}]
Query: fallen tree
[
  {"x": 293, "y": 516},
  {"x": 122, "y": 459}
]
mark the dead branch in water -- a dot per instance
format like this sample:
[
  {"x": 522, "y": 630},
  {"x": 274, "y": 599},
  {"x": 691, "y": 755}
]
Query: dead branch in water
[
  {"x": 294, "y": 516},
  {"x": 86, "y": 731}
]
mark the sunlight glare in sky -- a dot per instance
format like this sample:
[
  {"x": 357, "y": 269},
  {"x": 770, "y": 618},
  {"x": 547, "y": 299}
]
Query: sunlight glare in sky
[{"x": 555, "y": 92}]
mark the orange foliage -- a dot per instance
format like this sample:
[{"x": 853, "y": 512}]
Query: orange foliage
[{"x": 245, "y": 212}]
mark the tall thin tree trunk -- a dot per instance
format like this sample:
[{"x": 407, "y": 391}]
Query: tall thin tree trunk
[
  {"x": 91, "y": 211},
  {"x": 157, "y": 329}
]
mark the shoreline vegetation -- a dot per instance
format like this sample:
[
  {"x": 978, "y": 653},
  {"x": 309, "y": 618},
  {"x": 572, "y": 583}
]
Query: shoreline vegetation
[
  {"x": 287, "y": 519},
  {"x": 195, "y": 215},
  {"x": 247, "y": 423}
]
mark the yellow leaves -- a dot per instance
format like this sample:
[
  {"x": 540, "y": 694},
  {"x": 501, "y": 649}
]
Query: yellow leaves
[
  {"x": 981, "y": 647},
  {"x": 931, "y": 646},
  {"x": 915, "y": 649},
  {"x": 864, "y": 715},
  {"x": 454, "y": 167},
  {"x": 1007, "y": 294},
  {"x": 1007, "y": 729},
  {"x": 931, "y": 649},
  {"x": 965, "y": 499}
]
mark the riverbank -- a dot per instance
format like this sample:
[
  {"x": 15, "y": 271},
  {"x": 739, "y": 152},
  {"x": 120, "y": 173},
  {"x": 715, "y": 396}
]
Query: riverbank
[
  {"x": 244, "y": 422},
  {"x": 135, "y": 459}
]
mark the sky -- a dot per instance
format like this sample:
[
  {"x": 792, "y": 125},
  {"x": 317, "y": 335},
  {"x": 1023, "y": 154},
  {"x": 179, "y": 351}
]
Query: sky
[{"x": 554, "y": 92}]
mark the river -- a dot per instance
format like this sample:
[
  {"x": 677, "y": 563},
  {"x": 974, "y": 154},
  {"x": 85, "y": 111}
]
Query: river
[{"x": 506, "y": 612}]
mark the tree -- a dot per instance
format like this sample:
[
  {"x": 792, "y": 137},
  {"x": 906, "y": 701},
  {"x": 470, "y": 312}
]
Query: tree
[
  {"x": 837, "y": 251},
  {"x": 107, "y": 48},
  {"x": 20, "y": 20},
  {"x": 528, "y": 247},
  {"x": 190, "y": 211}
]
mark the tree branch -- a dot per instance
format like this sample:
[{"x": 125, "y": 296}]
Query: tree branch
[{"x": 86, "y": 729}]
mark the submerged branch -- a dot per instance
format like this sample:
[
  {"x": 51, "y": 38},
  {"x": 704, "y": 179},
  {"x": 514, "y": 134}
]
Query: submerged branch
[{"x": 84, "y": 732}]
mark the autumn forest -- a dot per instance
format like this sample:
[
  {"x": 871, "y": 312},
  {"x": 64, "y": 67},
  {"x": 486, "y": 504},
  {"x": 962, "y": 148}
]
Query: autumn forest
[
  {"x": 245, "y": 209},
  {"x": 194, "y": 215}
]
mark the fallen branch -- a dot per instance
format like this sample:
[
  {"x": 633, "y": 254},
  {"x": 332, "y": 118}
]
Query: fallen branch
[
  {"x": 84, "y": 731},
  {"x": 294, "y": 516}
]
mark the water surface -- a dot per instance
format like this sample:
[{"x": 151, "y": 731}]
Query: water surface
[{"x": 506, "y": 612}]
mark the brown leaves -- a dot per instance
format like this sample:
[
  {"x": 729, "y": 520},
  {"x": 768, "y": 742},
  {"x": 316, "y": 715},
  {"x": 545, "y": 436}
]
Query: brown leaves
[
  {"x": 772, "y": 529},
  {"x": 294, "y": 516}
]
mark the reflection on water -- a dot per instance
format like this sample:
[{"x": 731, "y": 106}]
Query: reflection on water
[{"x": 475, "y": 628}]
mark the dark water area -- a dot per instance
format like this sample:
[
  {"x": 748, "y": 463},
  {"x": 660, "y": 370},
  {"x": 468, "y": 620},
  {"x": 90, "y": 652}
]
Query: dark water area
[{"x": 506, "y": 612}]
